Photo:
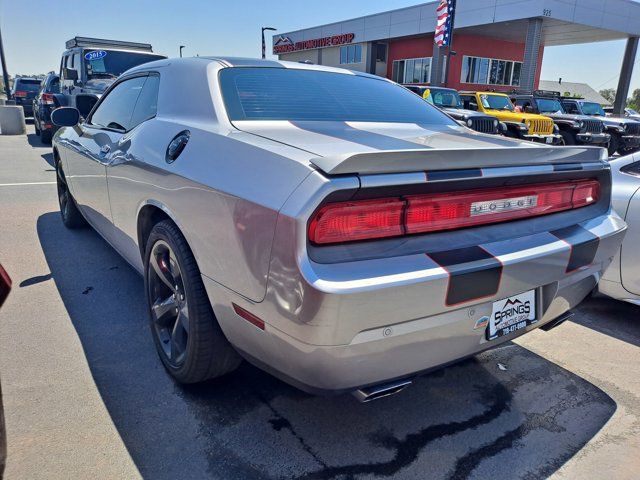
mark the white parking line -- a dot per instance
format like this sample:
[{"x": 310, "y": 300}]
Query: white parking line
[{"x": 25, "y": 183}]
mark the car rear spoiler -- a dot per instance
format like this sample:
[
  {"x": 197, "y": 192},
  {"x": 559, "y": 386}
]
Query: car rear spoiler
[{"x": 402, "y": 161}]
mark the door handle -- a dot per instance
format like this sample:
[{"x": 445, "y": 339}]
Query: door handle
[{"x": 105, "y": 149}]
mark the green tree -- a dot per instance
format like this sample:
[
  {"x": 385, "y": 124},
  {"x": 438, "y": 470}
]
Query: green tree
[
  {"x": 634, "y": 101},
  {"x": 609, "y": 94}
]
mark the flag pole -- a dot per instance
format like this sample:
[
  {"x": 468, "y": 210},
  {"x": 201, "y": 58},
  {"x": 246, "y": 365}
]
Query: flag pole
[{"x": 450, "y": 46}]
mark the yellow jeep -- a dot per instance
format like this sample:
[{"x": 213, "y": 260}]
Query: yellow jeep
[{"x": 528, "y": 126}]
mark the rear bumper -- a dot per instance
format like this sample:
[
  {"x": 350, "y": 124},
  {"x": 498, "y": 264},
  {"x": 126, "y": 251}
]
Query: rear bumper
[
  {"x": 335, "y": 328},
  {"x": 44, "y": 116},
  {"x": 552, "y": 139},
  {"x": 593, "y": 138}
]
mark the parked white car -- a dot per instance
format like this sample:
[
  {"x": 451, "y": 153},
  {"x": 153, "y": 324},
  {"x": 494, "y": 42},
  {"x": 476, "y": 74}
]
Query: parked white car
[{"x": 622, "y": 279}]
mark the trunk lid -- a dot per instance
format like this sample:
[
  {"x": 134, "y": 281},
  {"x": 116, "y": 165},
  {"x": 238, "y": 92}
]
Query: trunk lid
[{"x": 369, "y": 148}]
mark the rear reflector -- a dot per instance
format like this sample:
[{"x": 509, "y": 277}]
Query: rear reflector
[
  {"x": 248, "y": 316},
  {"x": 392, "y": 217}
]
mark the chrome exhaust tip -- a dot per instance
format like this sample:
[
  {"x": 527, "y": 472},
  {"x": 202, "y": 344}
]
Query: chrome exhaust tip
[{"x": 378, "y": 391}]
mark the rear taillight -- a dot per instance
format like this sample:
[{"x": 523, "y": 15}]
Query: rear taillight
[
  {"x": 47, "y": 98},
  {"x": 349, "y": 221},
  {"x": 20, "y": 93},
  {"x": 392, "y": 217}
]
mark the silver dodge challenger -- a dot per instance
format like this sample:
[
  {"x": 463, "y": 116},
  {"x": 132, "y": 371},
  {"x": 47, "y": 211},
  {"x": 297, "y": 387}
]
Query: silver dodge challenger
[
  {"x": 326, "y": 225},
  {"x": 622, "y": 279}
]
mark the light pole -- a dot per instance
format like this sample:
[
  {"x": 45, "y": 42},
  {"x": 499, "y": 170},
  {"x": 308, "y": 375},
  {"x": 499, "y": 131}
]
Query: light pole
[
  {"x": 263, "y": 44},
  {"x": 181, "y": 47},
  {"x": 5, "y": 74}
]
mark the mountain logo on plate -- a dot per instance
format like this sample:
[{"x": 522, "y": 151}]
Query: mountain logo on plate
[{"x": 511, "y": 309}]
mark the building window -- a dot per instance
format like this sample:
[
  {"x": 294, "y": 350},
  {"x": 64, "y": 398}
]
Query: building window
[
  {"x": 381, "y": 52},
  {"x": 517, "y": 68},
  {"x": 490, "y": 71},
  {"x": 412, "y": 70},
  {"x": 350, "y": 54}
]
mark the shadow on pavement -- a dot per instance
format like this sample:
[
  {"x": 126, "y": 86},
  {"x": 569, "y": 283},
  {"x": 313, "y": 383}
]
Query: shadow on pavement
[
  {"x": 469, "y": 420},
  {"x": 627, "y": 324},
  {"x": 35, "y": 142}
]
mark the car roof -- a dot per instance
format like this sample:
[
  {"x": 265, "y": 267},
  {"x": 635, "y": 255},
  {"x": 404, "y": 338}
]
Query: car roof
[
  {"x": 225, "y": 62},
  {"x": 442, "y": 88},
  {"x": 473, "y": 92}
]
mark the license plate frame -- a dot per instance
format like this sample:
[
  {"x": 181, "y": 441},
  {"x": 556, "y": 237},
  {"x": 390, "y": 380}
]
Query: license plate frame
[{"x": 512, "y": 314}]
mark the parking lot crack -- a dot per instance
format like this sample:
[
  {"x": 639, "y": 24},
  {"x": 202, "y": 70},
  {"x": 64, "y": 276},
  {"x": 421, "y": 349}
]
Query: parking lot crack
[
  {"x": 534, "y": 421},
  {"x": 408, "y": 449},
  {"x": 281, "y": 422}
]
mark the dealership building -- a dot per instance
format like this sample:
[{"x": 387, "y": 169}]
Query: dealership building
[{"x": 497, "y": 44}]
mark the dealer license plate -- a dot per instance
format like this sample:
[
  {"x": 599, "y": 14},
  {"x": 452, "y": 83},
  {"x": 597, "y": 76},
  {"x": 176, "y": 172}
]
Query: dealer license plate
[{"x": 512, "y": 314}]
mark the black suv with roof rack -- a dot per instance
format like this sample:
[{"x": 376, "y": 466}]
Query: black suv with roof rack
[
  {"x": 90, "y": 65},
  {"x": 625, "y": 133},
  {"x": 574, "y": 128},
  {"x": 448, "y": 100}
]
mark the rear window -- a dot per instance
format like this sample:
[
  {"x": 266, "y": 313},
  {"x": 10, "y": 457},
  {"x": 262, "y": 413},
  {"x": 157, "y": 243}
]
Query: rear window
[
  {"x": 54, "y": 85},
  {"x": 29, "y": 85},
  {"x": 298, "y": 95}
]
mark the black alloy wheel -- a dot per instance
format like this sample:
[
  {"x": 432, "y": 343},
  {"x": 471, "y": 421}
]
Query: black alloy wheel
[
  {"x": 185, "y": 330},
  {"x": 71, "y": 216},
  {"x": 169, "y": 306}
]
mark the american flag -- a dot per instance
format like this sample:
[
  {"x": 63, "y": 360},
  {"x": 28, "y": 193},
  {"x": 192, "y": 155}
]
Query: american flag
[{"x": 444, "y": 24}]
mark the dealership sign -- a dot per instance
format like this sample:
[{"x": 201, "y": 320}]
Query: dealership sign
[{"x": 286, "y": 45}]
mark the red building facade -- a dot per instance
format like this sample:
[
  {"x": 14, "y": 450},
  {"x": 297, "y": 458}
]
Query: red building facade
[{"x": 481, "y": 63}]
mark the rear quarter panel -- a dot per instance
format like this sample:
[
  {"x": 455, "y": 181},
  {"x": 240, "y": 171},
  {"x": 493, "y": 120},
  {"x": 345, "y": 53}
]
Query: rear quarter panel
[{"x": 223, "y": 193}]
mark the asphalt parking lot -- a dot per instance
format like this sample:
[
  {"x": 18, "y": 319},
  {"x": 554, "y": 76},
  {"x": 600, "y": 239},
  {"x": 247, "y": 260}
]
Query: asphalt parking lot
[{"x": 85, "y": 395}]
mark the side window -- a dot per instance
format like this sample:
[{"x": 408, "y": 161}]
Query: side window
[
  {"x": 54, "y": 85},
  {"x": 75, "y": 62},
  {"x": 116, "y": 109},
  {"x": 63, "y": 65},
  {"x": 571, "y": 107},
  {"x": 470, "y": 103},
  {"x": 147, "y": 104},
  {"x": 632, "y": 169}
]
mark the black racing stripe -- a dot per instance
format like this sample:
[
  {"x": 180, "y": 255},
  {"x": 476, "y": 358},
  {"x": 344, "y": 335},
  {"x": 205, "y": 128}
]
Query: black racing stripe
[
  {"x": 583, "y": 243},
  {"x": 454, "y": 174},
  {"x": 346, "y": 132},
  {"x": 473, "y": 273},
  {"x": 564, "y": 167}
]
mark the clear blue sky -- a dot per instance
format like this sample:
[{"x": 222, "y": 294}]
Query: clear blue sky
[{"x": 34, "y": 32}]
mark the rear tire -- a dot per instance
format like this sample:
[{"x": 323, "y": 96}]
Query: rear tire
[
  {"x": 614, "y": 144},
  {"x": 71, "y": 216},
  {"x": 45, "y": 136},
  {"x": 186, "y": 333},
  {"x": 567, "y": 138}
]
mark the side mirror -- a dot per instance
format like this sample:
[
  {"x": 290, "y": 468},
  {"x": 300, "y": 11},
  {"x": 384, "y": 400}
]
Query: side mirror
[
  {"x": 70, "y": 74},
  {"x": 65, "y": 117}
]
